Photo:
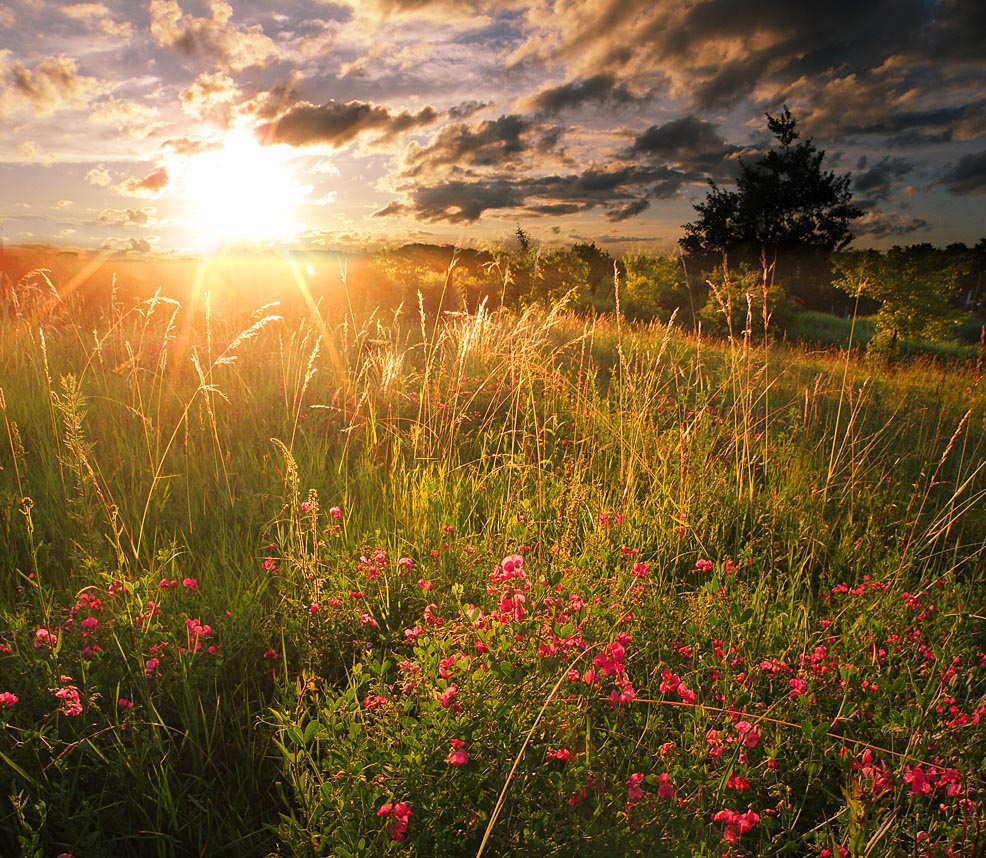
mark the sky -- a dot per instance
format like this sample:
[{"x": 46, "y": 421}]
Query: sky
[{"x": 182, "y": 126}]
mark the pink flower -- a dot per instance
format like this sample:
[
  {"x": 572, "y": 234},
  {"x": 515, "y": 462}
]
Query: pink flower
[
  {"x": 448, "y": 694},
  {"x": 634, "y": 792},
  {"x": 190, "y": 584},
  {"x": 512, "y": 564},
  {"x": 43, "y": 637},
  {"x": 374, "y": 701},
  {"x": 71, "y": 706},
  {"x": 736, "y": 823},
  {"x": 751, "y": 738},
  {"x": 314, "y": 608},
  {"x": 917, "y": 780},
  {"x": 123, "y": 703},
  {"x": 665, "y": 789},
  {"x": 151, "y": 666},
  {"x": 8, "y": 700},
  {"x": 459, "y": 756},
  {"x": 425, "y": 585},
  {"x": 562, "y": 755},
  {"x": 401, "y": 814},
  {"x": 336, "y": 513}
]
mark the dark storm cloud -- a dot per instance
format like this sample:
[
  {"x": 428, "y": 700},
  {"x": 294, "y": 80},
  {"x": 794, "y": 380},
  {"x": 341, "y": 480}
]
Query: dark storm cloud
[
  {"x": 457, "y": 202},
  {"x": 688, "y": 141},
  {"x": 968, "y": 176},
  {"x": 917, "y": 127},
  {"x": 628, "y": 211},
  {"x": 491, "y": 143},
  {"x": 336, "y": 124},
  {"x": 720, "y": 52},
  {"x": 877, "y": 225},
  {"x": 555, "y": 209},
  {"x": 620, "y": 191},
  {"x": 599, "y": 89},
  {"x": 960, "y": 29},
  {"x": 467, "y": 109},
  {"x": 875, "y": 181}
]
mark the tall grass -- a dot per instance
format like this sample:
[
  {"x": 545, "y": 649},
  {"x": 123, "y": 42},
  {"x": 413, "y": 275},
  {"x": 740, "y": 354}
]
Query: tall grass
[{"x": 289, "y": 519}]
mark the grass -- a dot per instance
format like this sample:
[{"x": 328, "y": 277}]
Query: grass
[{"x": 306, "y": 581}]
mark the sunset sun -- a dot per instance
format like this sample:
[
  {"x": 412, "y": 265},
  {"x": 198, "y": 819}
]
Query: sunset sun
[{"x": 242, "y": 192}]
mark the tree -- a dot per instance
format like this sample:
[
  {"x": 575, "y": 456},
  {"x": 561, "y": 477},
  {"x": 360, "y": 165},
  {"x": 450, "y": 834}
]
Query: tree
[
  {"x": 655, "y": 287},
  {"x": 913, "y": 285},
  {"x": 784, "y": 201}
]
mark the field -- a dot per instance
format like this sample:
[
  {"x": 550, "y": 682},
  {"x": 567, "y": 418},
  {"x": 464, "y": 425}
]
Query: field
[{"x": 305, "y": 579}]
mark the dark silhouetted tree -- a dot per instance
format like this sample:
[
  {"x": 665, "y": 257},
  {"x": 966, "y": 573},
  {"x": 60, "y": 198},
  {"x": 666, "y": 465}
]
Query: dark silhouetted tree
[{"x": 784, "y": 205}]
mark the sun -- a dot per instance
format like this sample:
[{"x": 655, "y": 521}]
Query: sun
[{"x": 240, "y": 192}]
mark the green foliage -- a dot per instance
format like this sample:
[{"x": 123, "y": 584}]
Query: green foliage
[
  {"x": 655, "y": 287},
  {"x": 913, "y": 285},
  {"x": 735, "y": 304}
]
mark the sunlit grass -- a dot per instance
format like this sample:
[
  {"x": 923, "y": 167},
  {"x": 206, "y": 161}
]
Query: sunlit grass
[{"x": 294, "y": 521}]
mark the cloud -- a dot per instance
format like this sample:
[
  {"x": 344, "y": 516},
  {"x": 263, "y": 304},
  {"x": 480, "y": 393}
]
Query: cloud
[
  {"x": 876, "y": 225},
  {"x": 598, "y": 89},
  {"x": 131, "y": 245},
  {"x": 876, "y": 181},
  {"x": 490, "y": 143},
  {"x": 440, "y": 11},
  {"x": 215, "y": 39},
  {"x": 98, "y": 16},
  {"x": 689, "y": 141},
  {"x": 137, "y": 119},
  {"x": 208, "y": 92},
  {"x": 150, "y": 186},
  {"x": 628, "y": 211},
  {"x": 620, "y": 190},
  {"x": 457, "y": 202},
  {"x": 715, "y": 53},
  {"x": 186, "y": 147},
  {"x": 968, "y": 176},
  {"x": 52, "y": 85},
  {"x": 338, "y": 124},
  {"x": 467, "y": 109},
  {"x": 98, "y": 176},
  {"x": 127, "y": 217}
]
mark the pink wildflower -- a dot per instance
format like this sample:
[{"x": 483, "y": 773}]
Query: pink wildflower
[
  {"x": 397, "y": 826},
  {"x": 71, "y": 706},
  {"x": 459, "y": 756},
  {"x": 8, "y": 700},
  {"x": 151, "y": 666},
  {"x": 562, "y": 755},
  {"x": 634, "y": 792},
  {"x": 665, "y": 789}
]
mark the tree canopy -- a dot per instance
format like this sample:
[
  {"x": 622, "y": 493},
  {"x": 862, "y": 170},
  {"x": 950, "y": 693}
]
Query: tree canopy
[{"x": 782, "y": 200}]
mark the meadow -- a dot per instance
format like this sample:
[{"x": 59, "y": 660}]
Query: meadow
[{"x": 309, "y": 579}]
